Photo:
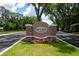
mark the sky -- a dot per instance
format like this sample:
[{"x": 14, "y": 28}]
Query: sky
[{"x": 25, "y": 10}]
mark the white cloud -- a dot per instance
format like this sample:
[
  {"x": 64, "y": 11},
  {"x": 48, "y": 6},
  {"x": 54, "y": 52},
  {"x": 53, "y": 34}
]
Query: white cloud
[
  {"x": 20, "y": 5},
  {"x": 28, "y": 10},
  {"x": 9, "y": 6},
  {"x": 12, "y": 6},
  {"x": 46, "y": 19}
]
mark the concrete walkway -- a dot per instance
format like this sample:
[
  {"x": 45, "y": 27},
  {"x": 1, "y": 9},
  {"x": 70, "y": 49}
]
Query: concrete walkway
[
  {"x": 8, "y": 40},
  {"x": 70, "y": 38}
]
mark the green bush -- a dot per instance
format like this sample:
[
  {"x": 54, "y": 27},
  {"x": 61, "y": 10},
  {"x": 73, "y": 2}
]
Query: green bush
[{"x": 18, "y": 24}]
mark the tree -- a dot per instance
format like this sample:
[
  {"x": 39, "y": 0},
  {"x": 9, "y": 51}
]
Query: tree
[
  {"x": 69, "y": 14},
  {"x": 54, "y": 15},
  {"x": 39, "y": 8},
  {"x": 65, "y": 14}
]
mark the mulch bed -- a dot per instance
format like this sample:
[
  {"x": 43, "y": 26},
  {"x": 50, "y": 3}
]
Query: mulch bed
[
  {"x": 36, "y": 41},
  {"x": 39, "y": 41}
]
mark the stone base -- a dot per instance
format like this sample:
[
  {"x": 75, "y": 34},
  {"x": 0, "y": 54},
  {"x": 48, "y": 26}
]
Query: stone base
[{"x": 41, "y": 41}]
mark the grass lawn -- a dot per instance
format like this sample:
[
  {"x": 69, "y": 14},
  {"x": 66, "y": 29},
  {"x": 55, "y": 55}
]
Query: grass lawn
[
  {"x": 6, "y": 32},
  {"x": 55, "y": 49}
]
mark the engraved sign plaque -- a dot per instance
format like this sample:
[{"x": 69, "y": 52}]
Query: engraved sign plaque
[{"x": 40, "y": 29}]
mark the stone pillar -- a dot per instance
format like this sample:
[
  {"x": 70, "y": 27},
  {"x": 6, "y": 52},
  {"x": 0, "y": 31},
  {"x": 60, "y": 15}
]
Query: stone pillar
[
  {"x": 52, "y": 32},
  {"x": 29, "y": 29},
  {"x": 29, "y": 32}
]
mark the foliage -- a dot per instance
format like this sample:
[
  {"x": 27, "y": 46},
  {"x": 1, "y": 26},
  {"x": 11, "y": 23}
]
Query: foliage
[
  {"x": 69, "y": 14},
  {"x": 14, "y": 21},
  {"x": 64, "y": 15},
  {"x": 18, "y": 24}
]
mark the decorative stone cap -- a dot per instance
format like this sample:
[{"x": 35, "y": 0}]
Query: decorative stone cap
[
  {"x": 28, "y": 25},
  {"x": 53, "y": 25}
]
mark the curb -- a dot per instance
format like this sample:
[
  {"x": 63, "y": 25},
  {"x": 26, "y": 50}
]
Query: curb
[
  {"x": 75, "y": 34},
  {"x": 11, "y": 46},
  {"x": 71, "y": 34},
  {"x": 67, "y": 43},
  {"x": 9, "y": 33}
]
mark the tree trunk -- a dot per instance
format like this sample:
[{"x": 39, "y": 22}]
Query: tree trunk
[
  {"x": 38, "y": 12},
  {"x": 39, "y": 18}
]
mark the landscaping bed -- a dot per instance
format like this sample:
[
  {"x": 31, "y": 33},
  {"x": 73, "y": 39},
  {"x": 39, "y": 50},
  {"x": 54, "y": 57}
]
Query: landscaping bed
[{"x": 25, "y": 48}]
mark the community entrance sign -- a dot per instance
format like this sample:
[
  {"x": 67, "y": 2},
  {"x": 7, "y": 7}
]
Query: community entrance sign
[
  {"x": 41, "y": 29},
  {"x": 41, "y": 32}
]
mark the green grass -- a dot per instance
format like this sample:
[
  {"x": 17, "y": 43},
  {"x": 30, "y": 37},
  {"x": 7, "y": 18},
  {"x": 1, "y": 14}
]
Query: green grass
[
  {"x": 55, "y": 49},
  {"x": 6, "y": 32}
]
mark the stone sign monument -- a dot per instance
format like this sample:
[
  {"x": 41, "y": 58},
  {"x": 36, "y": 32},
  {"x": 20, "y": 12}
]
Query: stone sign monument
[{"x": 40, "y": 32}]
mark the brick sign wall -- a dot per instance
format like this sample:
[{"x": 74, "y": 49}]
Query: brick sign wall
[{"x": 41, "y": 31}]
